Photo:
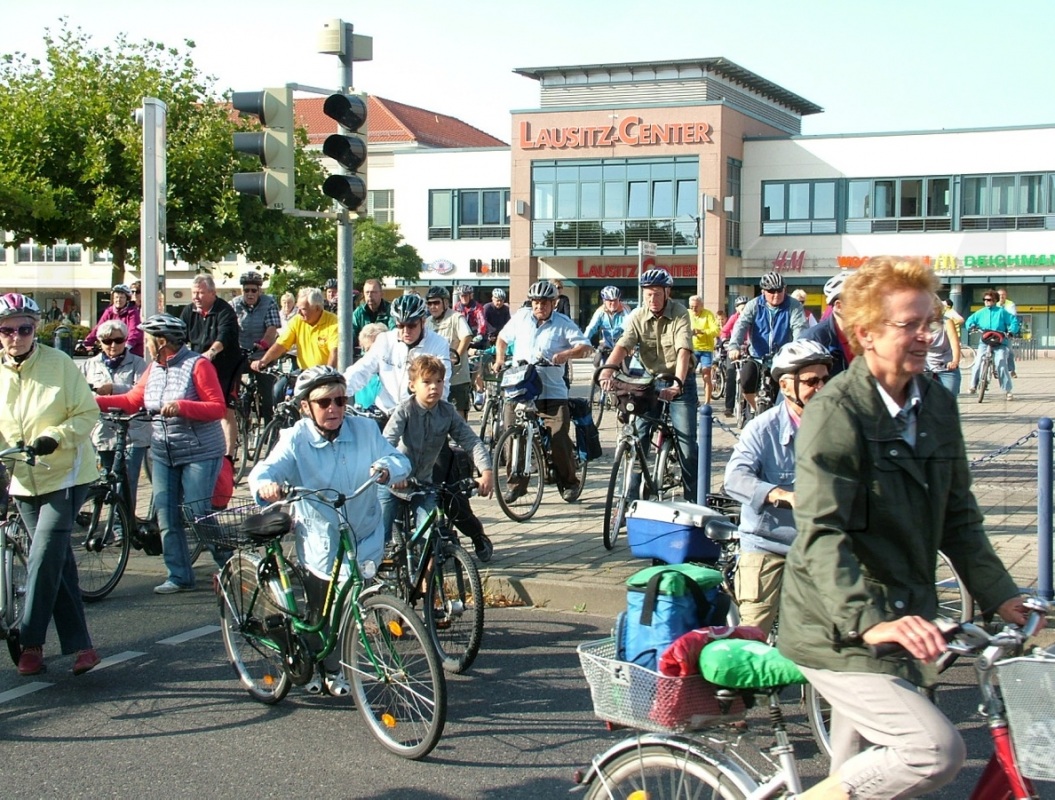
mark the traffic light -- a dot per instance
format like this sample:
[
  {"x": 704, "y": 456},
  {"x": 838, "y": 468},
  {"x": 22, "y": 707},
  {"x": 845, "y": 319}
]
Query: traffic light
[
  {"x": 348, "y": 149},
  {"x": 274, "y": 146}
]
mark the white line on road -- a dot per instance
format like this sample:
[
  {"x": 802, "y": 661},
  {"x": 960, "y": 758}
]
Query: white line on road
[
  {"x": 21, "y": 691},
  {"x": 193, "y": 634},
  {"x": 117, "y": 658}
]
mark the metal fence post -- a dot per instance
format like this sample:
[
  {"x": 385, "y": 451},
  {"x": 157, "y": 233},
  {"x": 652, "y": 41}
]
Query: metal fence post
[
  {"x": 704, "y": 435},
  {"x": 1044, "y": 519}
]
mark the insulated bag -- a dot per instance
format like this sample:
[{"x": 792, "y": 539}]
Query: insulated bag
[
  {"x": 587, "y": 437},
  {"x": 664, "y": 602}
]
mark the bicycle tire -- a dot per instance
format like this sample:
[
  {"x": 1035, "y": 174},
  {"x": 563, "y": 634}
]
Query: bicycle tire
[
  {"x": 242, "y": 446},
  {"x": 257, "y": 660},
  {"x": 454, "y": 611},
  {"x": 598, "y": 402},
  {"x": 668, "y": 479},
  {"x": 659, "y": 772},
  {"x": 507, "y": 456},
  {"x": 617, "y": 499},
  {"x": 269, "y": 436},
  {"x": 983, "y": 376},
  {"x": 489, "y": 424},
  {"x": 16, "y": 577},
  {"x": 717, "y": 382},
  {"x": 101, "y": 539},
  {"x": 397, "y": 681}
]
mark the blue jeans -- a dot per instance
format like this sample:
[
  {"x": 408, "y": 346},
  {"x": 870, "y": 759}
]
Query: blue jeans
[
  {"x": 391, "y": 505},
  {"x": 52, "y": 588},
  {"x": 950, "y": 379},
  {"x": 1001, "y": 355},
  {"x": 683, "y": 419},
  {"x": 173, "y": 486}
]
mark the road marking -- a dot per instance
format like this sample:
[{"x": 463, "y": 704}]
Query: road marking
[
  {"x": 21, "y": 691},
  {"x": 117, "y": 658},
  {"x": 192, "y": 634}
]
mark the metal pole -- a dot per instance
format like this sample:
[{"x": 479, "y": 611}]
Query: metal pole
[
  {"x": 701, "y": 221},
  {"x": 704, "y": 436},
  {"x": 1044, "y": 509},
  {"x": 152, "y": 215},
  {"x": 345, "y": 230}
]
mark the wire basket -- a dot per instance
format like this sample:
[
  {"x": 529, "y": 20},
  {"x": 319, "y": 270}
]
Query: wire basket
[
  {"x": 1028, "y": 687},
  {"x": 486, "y": 360},
  {"x": 222, "y": 528},
  {"x": 631, "y": 695}
]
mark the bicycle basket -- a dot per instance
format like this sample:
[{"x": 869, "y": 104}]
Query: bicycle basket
[
  {"x": 236, "y": 526},
  {"x": 486, "y": 360},
  {"x": 1028, "y": 687},
  {"x": 631, "y": 695},
  {"x": 521, "y": 383},
  {"x": 993, "y": 338},
  {"x": 636, "y": 395}
]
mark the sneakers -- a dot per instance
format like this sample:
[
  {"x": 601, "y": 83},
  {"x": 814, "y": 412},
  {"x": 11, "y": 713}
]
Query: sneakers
[
  {"x": 334, "y": 684},
  {"x": 483, "y": 548},
  {"x": 972, "y": 390},
  {"x": 86, "y": 660},
  {"x": 32, "y": 661},
  {"x": 1010, "y": 396},
  {"x": 478, "y": 400},
  {"x": 171, "y": 587}
]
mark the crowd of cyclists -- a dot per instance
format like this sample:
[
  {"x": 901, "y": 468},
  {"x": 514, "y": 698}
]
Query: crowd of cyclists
[{"x": 413, "y": 371}]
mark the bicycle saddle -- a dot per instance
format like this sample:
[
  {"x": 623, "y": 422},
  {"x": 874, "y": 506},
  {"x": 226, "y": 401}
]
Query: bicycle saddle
[
  {"x": 265, "y": 527},
  {"x": 720, "y": 530}
]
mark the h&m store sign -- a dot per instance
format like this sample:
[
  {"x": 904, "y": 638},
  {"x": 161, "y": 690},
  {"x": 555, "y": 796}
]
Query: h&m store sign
[
  {"x": 632, "y": 131},
  {"x": 609, "y": 271}
]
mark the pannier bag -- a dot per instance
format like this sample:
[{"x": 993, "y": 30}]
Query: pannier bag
[
  {"x": 636, "y": 395},
  {"x": 587, "y": 437},
  {"x": 664, "y": 602},
  {"x": 522, "y": 382}
]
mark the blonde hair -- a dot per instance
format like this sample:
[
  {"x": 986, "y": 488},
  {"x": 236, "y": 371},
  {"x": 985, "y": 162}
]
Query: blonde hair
[
  {"x": 369, "y": 334},
  {"x": 800, "y": 295},
  {"x": 865, "y": 292}
]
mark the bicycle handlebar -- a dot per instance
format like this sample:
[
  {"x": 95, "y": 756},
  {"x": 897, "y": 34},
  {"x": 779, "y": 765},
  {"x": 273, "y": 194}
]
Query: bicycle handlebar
[
  {"x": 661, "y": 376},
  {"x": 22, "y": 449},
  {"x": 333, "y": 497}
]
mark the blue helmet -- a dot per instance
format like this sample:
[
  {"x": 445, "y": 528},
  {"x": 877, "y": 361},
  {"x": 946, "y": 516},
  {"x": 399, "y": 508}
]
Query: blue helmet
[
  {"x": 611, "y": 293},
  {"x": 656, "y": 277}
]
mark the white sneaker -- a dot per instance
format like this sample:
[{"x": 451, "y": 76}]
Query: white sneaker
[
  {"x": 478, "y": 400},
  {"x": 1010, "y": 396},
  {"x": 171, "y": 587},
  {"x": 336, "y": 684},
  {"x": 314, "y": 686}
]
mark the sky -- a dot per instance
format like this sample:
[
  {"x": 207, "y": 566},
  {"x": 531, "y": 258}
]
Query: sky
[{"x": 892, "y": 66}]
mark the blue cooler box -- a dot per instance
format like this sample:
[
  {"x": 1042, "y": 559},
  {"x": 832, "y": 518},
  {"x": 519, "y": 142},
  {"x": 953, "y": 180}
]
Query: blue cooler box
[{"x": 671, "y": 532}]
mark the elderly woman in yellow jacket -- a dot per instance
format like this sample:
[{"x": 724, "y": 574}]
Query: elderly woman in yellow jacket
[{"x": 46, "y": 402}]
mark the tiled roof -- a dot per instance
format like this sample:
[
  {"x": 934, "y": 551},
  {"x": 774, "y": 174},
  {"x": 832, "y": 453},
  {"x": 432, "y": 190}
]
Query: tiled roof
[{"x": 389, "y": 122}]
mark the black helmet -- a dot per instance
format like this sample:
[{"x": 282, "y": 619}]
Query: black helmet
[
  {"x": 172, "y": 328},
  {"x": 542, "y": 290},
  {"x": 314, "y": 377},
  {"x": 251, "y": 277},
  {"x": 331, "y": 283},
  {"x": 407, "y": 308},
  {"x": 438, "y": 291},
  {"x": 771, "y": 282}
]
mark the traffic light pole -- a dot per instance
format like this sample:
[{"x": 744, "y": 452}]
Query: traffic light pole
[{"x": 345, "y": 233}]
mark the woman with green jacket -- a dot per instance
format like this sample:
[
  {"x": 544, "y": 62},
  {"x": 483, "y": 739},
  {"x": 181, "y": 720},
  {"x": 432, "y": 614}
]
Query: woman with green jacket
[{"x": 883, "y": 482}]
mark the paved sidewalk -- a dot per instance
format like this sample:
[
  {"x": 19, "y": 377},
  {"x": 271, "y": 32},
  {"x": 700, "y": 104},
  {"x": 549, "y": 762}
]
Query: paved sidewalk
[{"x": 558, "y": 560}]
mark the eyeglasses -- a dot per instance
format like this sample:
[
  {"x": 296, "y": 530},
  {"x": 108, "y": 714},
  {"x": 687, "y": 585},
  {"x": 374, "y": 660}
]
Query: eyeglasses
[
  {"x": 814, "y": 381},
  {"x": 21, "y": 330},
  {"x": 402, "y": 325},
  {"x": 112, "y": 341},
  {"x": 247, "y": 290},
  {"x": 925, "y": 327},
  {"x": 326, "y": 402}
]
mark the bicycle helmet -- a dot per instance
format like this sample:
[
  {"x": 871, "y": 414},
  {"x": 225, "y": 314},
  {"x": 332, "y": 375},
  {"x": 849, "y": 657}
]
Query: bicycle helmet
[
  {"x": 542, "y": 290},
  {"x": 331, "y": 283},
  {"x": 14, "y": 304},
  {"x": 498, "y": 294},
  {"x": 611, "y": 293},
  {"x": 407, "y": 308},
  {"x": 314, "y": 377},
  {"x": 465, "y": 289},
  {"x": 741, "y": 300},
  {"x": 252, "y": 277},
  {"x": 771, "y": 282},
  {"x": 833, "y": 289},
  {"x": 656, "y": 277},
  {"x": 166, "y": 325},
  {"x": 122, "y": 289},
  {"x": 438, "y": 291},
  {"x": 797, "y": 355}
]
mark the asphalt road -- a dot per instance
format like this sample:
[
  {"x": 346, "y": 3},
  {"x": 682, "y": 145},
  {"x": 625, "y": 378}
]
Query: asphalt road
[{"x": 165, "y": 716}]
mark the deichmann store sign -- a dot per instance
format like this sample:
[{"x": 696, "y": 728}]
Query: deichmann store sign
[
  {"x": 630, "y": 130},
  {"x": 947, "y": 261}
]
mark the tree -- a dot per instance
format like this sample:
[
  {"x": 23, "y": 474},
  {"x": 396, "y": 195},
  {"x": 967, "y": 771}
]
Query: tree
[{"x": 71, "y": 166}]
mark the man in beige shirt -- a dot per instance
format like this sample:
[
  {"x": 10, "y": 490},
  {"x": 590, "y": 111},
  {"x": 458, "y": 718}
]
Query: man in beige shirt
[{"x": 661, "y": 331}]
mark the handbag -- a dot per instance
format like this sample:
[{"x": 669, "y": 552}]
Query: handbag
[
  {"x": 636, "y": 395},
  {"x": 522, "y": 382}
]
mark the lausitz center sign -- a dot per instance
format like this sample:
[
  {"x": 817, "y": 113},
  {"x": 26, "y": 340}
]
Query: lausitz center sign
[{"x": 629, "y": 131}]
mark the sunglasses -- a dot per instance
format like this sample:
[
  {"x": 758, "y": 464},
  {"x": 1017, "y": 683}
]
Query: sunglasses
[
  {"x": 813, "y": 382},
  {"x": 247, "y": 290},
  {"x": 402, "y": 325},
  {"x": 112, "y": 341},
  {"x": 434, "y": 303},
  {"x": 326, "y": 402},
  {"x": 988, "y": 299},
  {"x": 21, "y": 330}
]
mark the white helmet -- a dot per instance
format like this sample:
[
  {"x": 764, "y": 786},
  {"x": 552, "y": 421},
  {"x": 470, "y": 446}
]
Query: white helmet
[
  {"x": 797, "y": 355},
  {"x": 833, "y": 289}
]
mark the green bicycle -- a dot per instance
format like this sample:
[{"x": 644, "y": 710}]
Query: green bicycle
[{"x": 266, "y": 623}]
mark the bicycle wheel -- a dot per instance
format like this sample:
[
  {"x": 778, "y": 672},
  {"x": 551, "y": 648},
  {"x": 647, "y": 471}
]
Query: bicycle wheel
[
  {"x": 618, "y": 497},
  {"x": 257, "y": 659},
  {"x": 658, "y": 772},
  {"x": 101, "y": 538},
  {"x": 519, "y": 481},
  {"x": 819, "y": 716},
  {"x": 16, "y": 576},
  {"x": 983, "y": 375},
  {"x": 456, "y": 601},
  {"x": 269, "y": 436},
  {"x": 598, "y": 402},
  {"x": 489, "y": 424},
  {"x": 717, "y": 382},
  {"x": 668, "y": 471},
  {"x": 242, "y": 445},
  {"x": 396, "y": 677}
]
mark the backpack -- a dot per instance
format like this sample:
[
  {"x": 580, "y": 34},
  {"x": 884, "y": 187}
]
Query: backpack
[
  {"x": 664, "y": 602},
  {"x": 587, "y": 438}
]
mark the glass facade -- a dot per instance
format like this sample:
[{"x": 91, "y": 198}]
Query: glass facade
[{"x": 469, "y": 214}]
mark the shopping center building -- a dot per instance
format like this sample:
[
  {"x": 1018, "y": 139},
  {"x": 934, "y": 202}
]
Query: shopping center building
[{"x": 616, "y": 154}]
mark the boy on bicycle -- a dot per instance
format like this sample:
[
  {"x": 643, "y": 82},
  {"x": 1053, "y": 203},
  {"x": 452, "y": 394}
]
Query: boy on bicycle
[{"x": 419, "y": 427}]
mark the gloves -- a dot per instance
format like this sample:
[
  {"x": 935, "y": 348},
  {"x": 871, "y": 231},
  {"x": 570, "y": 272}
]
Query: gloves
[{"x": 44, "y": 445}]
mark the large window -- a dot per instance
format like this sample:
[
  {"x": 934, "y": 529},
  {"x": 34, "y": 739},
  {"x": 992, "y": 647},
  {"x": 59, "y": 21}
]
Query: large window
[
  {"x": 796, "y": 207},
  {"x": 898, "y": 205},
  {"x": 608, "y": 205},
  {"x": 469, "y": 214},
  {"x": 58, "y": 253},
  {"x": 732, "y": 216},
  {"x": 380, "y": 206},
  {"x": 1008, "y": 202}
]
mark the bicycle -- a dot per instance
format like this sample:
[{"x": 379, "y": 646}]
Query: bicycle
[
  {"x": 987, "y": 366},
  {"x": 672, "y": 761},
  {"x": 523, "y": 453},
  {"x": 14, "y": 555},
  {"x": 491, "y": 416},
  {"x": 425, "y": 562},
  {"x": 249, "y": 419},
  {"x": 395, "y": 674},
  {"x": 718, "y": 368},
  {"x": 630, "y": 464}
]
